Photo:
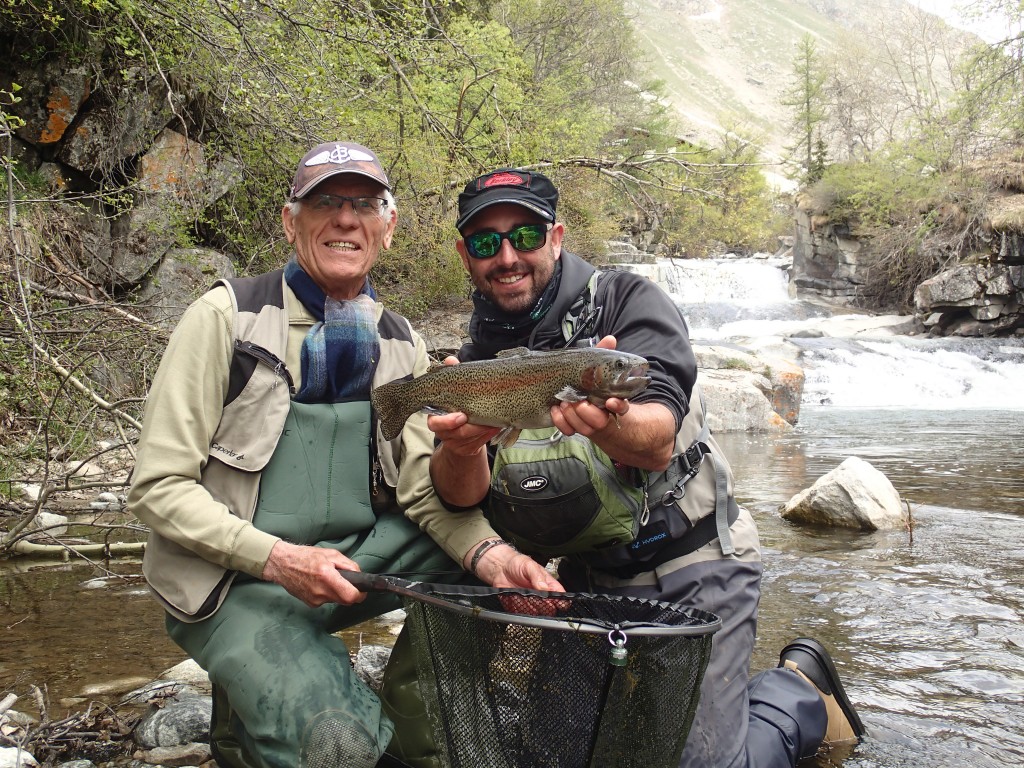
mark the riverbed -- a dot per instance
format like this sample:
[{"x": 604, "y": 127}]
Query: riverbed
[{"x": 926, "y": 625}]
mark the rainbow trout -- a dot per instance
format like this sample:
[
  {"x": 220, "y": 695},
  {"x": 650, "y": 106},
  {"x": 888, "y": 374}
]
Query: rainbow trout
[{"x": 514, "y": 391}]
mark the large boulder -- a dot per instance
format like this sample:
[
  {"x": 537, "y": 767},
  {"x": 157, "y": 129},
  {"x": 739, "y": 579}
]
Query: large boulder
[
  {"x": 973, "y": 299},
  {"x": 181, "y": 719},
  {"x": 747, "y": 393},
  {"x": 182, "y": 275},
  {"x": 853, "y": 495}
]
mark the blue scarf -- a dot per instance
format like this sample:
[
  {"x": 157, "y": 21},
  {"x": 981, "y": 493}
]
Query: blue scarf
[{"x": 340, "y": 352}]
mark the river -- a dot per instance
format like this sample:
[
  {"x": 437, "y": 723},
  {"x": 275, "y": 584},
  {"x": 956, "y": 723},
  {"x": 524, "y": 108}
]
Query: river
[{"x": 926, "y": 625}]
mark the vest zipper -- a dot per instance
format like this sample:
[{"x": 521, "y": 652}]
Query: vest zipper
[{"x": 269, "y": 359}]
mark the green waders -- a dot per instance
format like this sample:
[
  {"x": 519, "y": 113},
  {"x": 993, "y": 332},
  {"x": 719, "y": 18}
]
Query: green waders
[{"x": 285, "y": 694}]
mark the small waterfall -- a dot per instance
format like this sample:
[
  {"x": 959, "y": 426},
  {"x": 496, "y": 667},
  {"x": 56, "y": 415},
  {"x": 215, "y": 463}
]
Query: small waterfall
[
  {"x": 715, "y": 294},
  {"x": 846, "y": 364}
]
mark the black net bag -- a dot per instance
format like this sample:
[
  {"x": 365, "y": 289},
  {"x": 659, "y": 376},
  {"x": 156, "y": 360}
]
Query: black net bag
[{"x": 523, "y": 679}]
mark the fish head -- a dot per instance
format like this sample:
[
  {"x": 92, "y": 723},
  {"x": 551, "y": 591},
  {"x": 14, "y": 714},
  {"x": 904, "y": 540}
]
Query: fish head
[{"x": 615, "y": 374}]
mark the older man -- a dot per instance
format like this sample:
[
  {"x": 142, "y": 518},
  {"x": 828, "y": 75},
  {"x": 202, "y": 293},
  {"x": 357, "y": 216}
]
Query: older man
[{"x": 262, "y": 475}]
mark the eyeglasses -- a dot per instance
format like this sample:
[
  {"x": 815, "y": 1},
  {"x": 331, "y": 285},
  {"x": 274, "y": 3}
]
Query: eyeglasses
[
  {"x": 363, "y": 206},
  {"x": 525, "y": 237}
]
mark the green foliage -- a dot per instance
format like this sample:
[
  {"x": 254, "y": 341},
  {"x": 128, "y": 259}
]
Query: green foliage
[
  {"x": 806, "y": 99},
  {"x": 872, "y": 196},
  {"x": 727, "y": 206}
]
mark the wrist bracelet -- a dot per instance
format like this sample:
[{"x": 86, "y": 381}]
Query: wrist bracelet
[{"x": 481, "y": 550}]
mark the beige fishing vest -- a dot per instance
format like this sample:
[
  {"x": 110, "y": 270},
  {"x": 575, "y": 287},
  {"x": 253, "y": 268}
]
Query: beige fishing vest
[{"x": 189, "y": 587}]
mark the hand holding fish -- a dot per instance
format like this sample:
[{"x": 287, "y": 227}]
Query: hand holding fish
[{"x": 515, "y": 391}]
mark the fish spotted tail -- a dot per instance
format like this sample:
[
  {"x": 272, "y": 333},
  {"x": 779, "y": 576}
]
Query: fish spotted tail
[{"x": 392, "y": 409}]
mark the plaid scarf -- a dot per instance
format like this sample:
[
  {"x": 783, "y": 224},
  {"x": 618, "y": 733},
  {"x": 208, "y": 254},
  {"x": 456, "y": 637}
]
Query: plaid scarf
[{"x": 340, "y": 352}]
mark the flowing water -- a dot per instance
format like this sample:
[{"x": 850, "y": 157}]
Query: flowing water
[{"x": 926, "y": 624}]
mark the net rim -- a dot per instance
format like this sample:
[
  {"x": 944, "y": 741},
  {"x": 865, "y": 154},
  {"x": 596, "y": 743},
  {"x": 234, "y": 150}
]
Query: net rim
[{"x": 699, "y": 622}]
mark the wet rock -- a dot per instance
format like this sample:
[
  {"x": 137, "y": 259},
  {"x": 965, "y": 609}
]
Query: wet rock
[
  {"x": 51, "y": 522},
  {"x": 854, "y": 495},
  {"x": 370, "y": 662},
  {"x": 180, "y": 720},
  {"x": 739, "y": 401},
  {"x": 77, "y": 764}
]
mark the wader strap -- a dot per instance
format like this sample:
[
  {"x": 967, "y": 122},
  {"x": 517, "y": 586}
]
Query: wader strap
[
  {"x": 688, "y": 464},
  {"x": 704, "y": 532}
]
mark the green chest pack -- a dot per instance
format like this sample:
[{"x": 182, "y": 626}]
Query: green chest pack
[{"x": 553, "y": 494}]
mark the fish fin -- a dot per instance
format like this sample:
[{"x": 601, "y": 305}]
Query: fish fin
[
  {"x": 569, "y": 395},
  {"x": 392, "y": 413},
  {"x": 434, "y": 410},
  {"x": 507, "y": 437},
  {"x": 618, "y": 425},
  {"x": 515, "y": 351}
]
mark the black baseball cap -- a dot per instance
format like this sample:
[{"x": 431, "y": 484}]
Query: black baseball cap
[{"x": 507, "y": 185}]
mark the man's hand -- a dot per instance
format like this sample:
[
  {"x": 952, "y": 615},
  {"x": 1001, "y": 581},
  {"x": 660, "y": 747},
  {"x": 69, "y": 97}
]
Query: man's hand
[
  {"x": 311, "y": 574},
  {"x": 586, "y": 418},
  {"x": 643, "y": 439}
]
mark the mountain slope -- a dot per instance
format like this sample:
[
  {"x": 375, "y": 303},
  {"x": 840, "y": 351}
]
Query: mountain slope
[{"x": 726, "y": 64}]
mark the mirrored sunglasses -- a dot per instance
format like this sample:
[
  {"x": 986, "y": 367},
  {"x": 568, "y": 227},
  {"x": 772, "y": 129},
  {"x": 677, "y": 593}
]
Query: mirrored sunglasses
[{"x": 526, "y": 237}]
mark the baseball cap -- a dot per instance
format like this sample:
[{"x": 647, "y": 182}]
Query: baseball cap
[
  {"x": 508, "y": 185},
  {"x": 332, "y": 158}
]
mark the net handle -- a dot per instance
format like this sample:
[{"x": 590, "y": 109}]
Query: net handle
[{"x": 377, "y": 582}]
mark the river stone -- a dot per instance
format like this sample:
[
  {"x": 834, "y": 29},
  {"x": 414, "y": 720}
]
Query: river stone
[
  {"x": 78, "y": 764},
  {"x": 190, "y": 673},
  {"x": 370, "y": 662},
  {"x": 192, "y": 753},
  {"x": 178, "y": 721},
  {"x": 157, "y": 689},
  {"x": 853, "y": 495},
  {"x": 12, "y": 757}
]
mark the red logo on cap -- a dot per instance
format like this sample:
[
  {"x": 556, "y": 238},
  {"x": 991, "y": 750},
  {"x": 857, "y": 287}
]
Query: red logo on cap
[{"x": 505, "y": 180}]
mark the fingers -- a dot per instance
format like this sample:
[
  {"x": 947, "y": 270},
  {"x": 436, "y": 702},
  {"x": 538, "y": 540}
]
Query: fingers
[
  {"x": 311, "y": 574},
  {"x": 608, "y": 342},
  {"x": 584, "y": 417},
  {"x": 459, "y": 436}
]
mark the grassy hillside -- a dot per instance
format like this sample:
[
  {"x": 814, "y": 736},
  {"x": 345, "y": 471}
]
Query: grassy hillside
[{"x": 725, "y": 64}]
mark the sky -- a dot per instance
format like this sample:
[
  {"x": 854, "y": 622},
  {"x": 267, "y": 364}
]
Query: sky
[{"x": 989, "y": 30}]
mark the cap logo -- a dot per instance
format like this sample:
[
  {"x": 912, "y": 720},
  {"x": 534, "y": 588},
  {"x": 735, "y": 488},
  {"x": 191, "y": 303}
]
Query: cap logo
[
  {"x": 505, "y": 180},
  {"x": 339, "y": 156}
]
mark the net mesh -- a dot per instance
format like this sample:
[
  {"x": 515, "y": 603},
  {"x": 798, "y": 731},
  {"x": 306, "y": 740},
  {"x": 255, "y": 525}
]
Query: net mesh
[{"x": 504, "y": 694}]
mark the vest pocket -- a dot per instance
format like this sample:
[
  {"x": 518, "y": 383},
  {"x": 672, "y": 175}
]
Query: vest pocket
[
  {"x": 538, "y": 523},
  {"x": 251, "y": 423}
]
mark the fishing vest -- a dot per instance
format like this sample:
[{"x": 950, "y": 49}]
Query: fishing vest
[
  {"x": 255, "y": 407},
  {"x": 681, "y": 509}
]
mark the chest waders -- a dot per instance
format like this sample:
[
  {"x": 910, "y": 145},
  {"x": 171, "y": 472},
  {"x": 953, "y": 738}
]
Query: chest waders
[{"x": 285, "y": 693}]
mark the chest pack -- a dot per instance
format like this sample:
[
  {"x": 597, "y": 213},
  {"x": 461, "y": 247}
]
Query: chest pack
[{"x": 557, "y": 495}]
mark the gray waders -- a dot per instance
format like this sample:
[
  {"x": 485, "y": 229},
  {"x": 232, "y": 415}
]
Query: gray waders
[{"x": 285, "y": 694}]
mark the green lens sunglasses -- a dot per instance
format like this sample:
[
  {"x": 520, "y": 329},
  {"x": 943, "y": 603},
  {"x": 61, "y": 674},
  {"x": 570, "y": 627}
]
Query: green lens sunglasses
[{"x": 525, "y": 237}]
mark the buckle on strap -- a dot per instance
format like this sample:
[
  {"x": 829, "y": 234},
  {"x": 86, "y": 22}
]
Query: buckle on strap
[{"x": 689, "y": 462}]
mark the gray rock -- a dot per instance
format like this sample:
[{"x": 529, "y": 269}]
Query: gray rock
[
  {"x": 182, "y": 275},
  {"x": 190, "y": 673},
  {"x": 854, "y": 495},
  {"x": 370, "y": 662},
  {"x": 193, "y": 753},
  {"x": 180, "y": 720},
  {"x": 12, "y": 757}
]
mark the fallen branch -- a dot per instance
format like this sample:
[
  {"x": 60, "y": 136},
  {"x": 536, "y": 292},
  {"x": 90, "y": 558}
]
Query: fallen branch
[
  {"x": 74, "y": 381},
  {"x": 65, "y": 551}
]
